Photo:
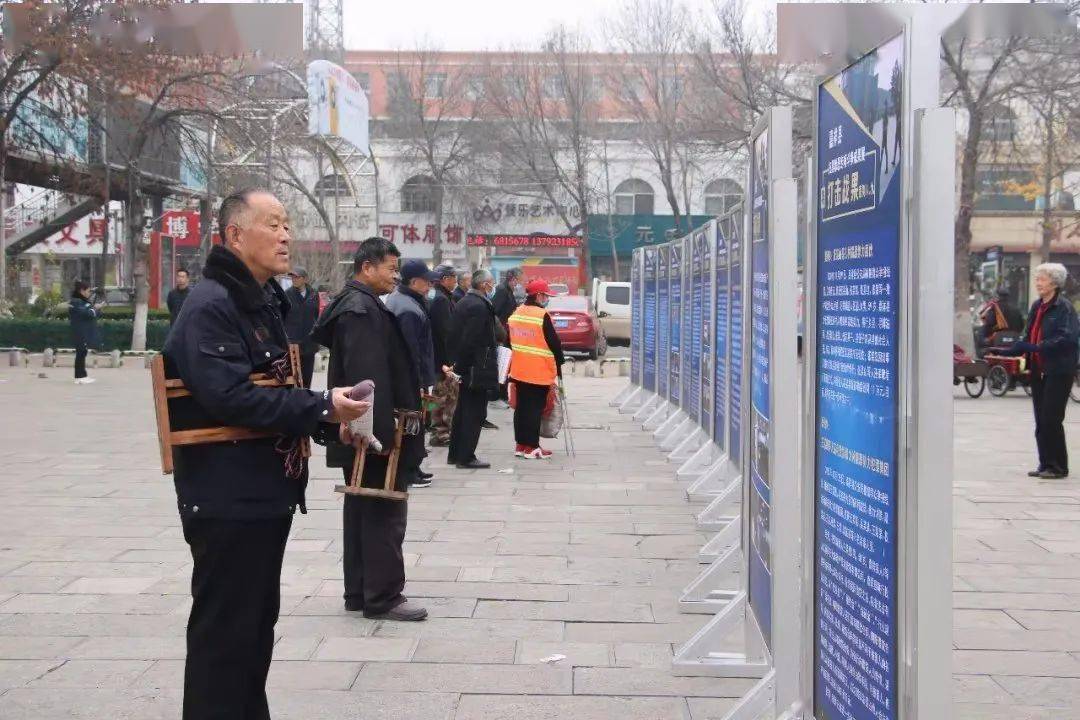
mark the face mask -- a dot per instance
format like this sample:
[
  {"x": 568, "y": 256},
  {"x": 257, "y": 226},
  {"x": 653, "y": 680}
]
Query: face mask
[
  {"x": 490, "y": 294},
  {"x": 431, "y": 294}
]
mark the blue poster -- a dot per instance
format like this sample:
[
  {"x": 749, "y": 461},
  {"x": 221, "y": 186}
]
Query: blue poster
[
  {"x": 858, "y": 268},
  {"x": 687, "y": 324},
  {"x": 635, "y": 318},
  {"x": 720, "y": 345},
  {"x": 663, "y": 332},
  {"x": 649, "y": 310},
  {"x": 696, "y": 322},
  {"x": 735, "y": 335},
  {"x": 675, "y": 322},
  {"x": 760, "y": 556},
  {"x": 705, "y": 353}
]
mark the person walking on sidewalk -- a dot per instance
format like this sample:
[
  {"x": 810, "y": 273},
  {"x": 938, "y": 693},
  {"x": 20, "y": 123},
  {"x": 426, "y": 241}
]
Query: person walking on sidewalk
[
  {"x": 303, "y": 312},
  {"x": 176, "y": 297},
  {"x": 409, "y": 303},
  {"x": 366, "y": 343},
  {"x": 441, "y": 309},
  {"x": 476, "y": 363},
  {"x": 82, "y": 315},
  {"x": 534, "y": 365},
  {"x": 1050, "y": 344}
]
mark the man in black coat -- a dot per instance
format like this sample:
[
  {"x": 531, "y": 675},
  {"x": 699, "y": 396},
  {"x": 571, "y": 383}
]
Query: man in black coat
[
  {"x": 303, "y": 312},
  {"x": 441, "y": 310},
  {"x": 176, "y": 297},
  {"x": 237, "y": 499},
  {"x": 504, "y": 303},
  {"x": 366, "y": 343},
  {"x": 474, "y": 362},
  {"x": 409, "y": 303},
  {"x": 463, "y": 280}
]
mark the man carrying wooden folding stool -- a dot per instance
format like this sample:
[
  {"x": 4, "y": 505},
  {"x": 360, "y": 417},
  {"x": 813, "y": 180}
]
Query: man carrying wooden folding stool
[
  {"x": 229, "y": 363},
  {"x": 366, "y": 343}
]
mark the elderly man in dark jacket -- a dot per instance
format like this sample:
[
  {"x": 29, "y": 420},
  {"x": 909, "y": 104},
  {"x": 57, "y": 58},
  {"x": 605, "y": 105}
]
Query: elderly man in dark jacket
[
  {"x": 441, "y": 310},
  {"x": 366, "y": 343},
  {"x": 237, "y": 499},
  {"x": 476, "y": 364},
  {"x": 303, "y": 312},
  {"x": 504, "y": 303},
  {"x": 409, "y": 302}
]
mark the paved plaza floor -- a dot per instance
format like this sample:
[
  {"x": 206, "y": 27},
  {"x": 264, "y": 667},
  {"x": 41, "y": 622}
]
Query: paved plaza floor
[{"x": 580, "y": 557}]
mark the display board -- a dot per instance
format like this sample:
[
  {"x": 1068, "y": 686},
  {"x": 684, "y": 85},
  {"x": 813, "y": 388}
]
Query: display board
[
  {"x": 649, "y": 309},
  {"x": 735, "y": 337},
  {"x": 857, "y": 265},
  {"x": 721, "y": 341},
  {"x": 663, "y": 333},
  {"x": 695, "y": 324},
  {"x": 635, "y": 317},
  {"x": 705, "y": 358},
  {"x": 675, "y": 285},
  {"x": 687, "y": 401},
  {"x": 760, "y": 556}
]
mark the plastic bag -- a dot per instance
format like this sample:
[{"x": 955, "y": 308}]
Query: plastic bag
[
  {"x": 505, "y": 354},
  {"x": 364, "y": 426},
  {"x": 552, "y": 423}
]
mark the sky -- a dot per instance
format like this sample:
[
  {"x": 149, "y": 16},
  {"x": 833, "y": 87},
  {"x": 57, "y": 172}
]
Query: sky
[{"x": 464, "y": 24}]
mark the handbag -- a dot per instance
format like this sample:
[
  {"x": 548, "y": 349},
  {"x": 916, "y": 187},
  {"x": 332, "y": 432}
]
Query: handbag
[{"x": 484, "y": 374}]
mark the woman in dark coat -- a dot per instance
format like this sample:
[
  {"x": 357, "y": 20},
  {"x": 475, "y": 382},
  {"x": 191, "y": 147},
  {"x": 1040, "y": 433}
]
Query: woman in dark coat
[
  {"x": 82, "y": 315},
  {"x": 1050, "y": 346}
]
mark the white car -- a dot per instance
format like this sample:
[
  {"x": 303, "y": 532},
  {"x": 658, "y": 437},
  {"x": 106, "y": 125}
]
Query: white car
[{"x": 611, "y": 301}]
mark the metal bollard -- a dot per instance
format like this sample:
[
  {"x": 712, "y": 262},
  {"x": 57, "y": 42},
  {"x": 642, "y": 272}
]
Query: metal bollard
[{"x": 48, "y": 358}]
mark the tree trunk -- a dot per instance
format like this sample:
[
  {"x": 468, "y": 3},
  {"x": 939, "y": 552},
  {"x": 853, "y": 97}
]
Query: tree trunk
[
  {"x": 963, "y": 334},
  {"x": 436, "y": 250},
  {"x": 3, "y": 227},
  {"x": 1048, "y": 186},
  {"x": 140, "y": 278}
]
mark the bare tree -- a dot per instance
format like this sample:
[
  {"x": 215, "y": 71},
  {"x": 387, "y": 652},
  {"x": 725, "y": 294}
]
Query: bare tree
[
  {"x": 650, "y": 85},
  {"x": 435, "y": 113},
  {"x": 544, "y": 110}
]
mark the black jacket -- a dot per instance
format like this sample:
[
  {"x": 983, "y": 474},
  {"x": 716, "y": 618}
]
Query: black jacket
[
  {"x": 175, "y": 300},
  {"x": 230, "y": 327},
  {"x": 366, "y": 343},
  {"x": 457, "y": 294},
  {"x": 441, "y": 311},
  {"x": 83, "y": 319},
  {"x": 474, "y": 323},
  {"x": 303, "y": 313},
  {"x": 412, "y": 315},
  {"x": 504, "y": 303},
  {"x": 1060, "y": 334}
]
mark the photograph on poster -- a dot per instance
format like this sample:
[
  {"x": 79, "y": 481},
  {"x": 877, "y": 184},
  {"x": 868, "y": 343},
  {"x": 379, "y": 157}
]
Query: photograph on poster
[
  {"x": 859, "y": 144},
  {"x": 760, "y": 560},
  {"x": 696, "y": 323},
  {"x": 663, "y": 323},
  {"x": 688, "y": 403},
  {"x": 735, "y": 336}
]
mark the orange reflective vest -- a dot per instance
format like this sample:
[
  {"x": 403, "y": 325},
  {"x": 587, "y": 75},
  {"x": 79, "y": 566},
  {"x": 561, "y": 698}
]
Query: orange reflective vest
[{"x": 532, "y": 360}]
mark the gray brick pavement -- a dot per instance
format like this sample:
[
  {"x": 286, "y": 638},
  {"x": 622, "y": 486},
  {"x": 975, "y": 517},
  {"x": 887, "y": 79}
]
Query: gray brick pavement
[{"x": 579, "y": 558}]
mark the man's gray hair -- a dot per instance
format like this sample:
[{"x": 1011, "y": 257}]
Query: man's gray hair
[
  {"x": 480, "y": 277},
  {"x": 1055, "y": 272}
]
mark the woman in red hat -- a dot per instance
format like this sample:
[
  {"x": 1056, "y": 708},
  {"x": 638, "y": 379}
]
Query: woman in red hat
[{"x": 534, "y": 366}]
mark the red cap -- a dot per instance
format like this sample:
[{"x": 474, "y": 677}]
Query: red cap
[{"x": 535, "y": 287}]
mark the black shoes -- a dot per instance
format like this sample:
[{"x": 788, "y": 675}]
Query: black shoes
[
  {"x": 405, "y": 612},
  {"x": 1037, "y": 472},
  {"x": 422, "y": 482},
  {"x": 474, "y": 464},
  {"x": 489, "y": 425},
  {"x": 1052, "y": 474}
]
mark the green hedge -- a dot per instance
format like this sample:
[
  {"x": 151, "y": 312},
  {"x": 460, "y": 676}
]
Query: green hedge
[
  {"x": 126, "y": 313},
  {"x": 37, "y": 334}
]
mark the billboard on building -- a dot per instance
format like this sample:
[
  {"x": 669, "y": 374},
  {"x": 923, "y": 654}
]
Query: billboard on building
[{"x": 337, "y": 105}]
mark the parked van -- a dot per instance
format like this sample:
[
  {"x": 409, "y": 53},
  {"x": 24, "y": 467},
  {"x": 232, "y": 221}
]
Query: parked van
[{"x": 611, "y": 300}]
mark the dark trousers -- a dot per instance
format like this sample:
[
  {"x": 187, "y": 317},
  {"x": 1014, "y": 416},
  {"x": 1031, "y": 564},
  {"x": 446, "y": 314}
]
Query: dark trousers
[
  {"x": 307, "y": 368},
  {"x": 1050, "y": 396},
  {"x": 469, "y": 417},
  {"x": 530, "y": 408},
  {"x": 80, "y": 361},
  {"x": 236, "y": 592},
  {"x": 374, "y": 563}
]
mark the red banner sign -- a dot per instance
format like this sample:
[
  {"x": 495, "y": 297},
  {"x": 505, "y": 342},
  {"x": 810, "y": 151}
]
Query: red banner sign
[{"x": 525, "y": 241}]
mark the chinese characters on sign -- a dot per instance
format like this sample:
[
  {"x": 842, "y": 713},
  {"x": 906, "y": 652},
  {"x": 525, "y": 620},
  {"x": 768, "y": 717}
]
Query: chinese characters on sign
[
  {"x": 410, "y": 234},
  {"x": 649, "y": 304},
  {"x": 635, "y": 318},
  {"x": 858, "y": 267},
  {"x": 663, "y": 311},
  {"x": 722, "y": 317},
  {"x": 675, "y": 273}
]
